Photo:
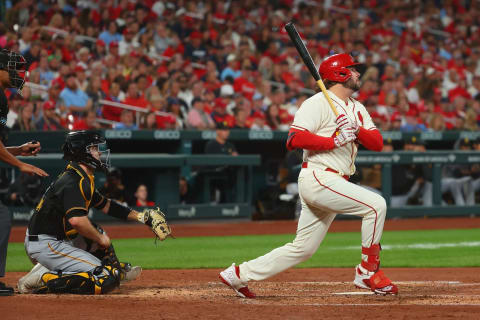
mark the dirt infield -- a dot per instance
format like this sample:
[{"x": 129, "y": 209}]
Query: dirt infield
[{"x": 322, "y": 293}]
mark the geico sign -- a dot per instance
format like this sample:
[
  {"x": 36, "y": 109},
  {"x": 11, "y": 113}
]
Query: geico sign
[
  {"x": 207, "y": 135},
  {"x": 168, "y": 134},
  {"x": 260, "y": 135},
  {"x": 118, "y": 134}
]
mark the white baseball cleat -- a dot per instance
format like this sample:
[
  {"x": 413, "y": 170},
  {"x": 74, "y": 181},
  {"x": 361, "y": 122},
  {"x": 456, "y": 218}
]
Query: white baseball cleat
[
  {"x": 377, "y": 282},
  {"x": 231, "y": 277},
  {"x": 32, "y": 280}
]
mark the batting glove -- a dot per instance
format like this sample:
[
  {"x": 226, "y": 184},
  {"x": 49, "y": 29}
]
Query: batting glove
[
  {"x": 345, "y": 136},
  {"x": 343, "y": 121}
]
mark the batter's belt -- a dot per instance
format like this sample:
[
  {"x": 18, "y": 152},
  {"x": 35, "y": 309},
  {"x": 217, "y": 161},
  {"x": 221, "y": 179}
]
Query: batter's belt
[{"x": 346, "y": 177}]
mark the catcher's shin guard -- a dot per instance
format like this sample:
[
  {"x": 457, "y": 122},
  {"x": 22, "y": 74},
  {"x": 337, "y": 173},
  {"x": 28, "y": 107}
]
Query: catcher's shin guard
[{"x": 101, "y": 280}]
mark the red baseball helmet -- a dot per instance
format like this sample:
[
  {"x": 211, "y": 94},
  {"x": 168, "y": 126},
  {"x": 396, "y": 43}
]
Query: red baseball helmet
[{"x": 335, "y": 67}]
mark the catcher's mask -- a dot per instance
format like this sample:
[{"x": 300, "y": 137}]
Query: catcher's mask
[
  {"x": 87, "y": 147},
  {"x": 15, "y": 64}
]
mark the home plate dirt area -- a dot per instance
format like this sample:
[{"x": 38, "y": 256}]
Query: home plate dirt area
[{"x": 323, "y": 293}]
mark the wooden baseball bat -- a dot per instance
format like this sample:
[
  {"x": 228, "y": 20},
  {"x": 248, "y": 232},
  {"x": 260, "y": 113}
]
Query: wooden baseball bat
[{"x": 307, "y": 59}]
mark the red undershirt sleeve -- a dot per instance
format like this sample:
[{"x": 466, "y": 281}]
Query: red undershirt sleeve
[
  {"x": 302, "y": 139},
  {"x": 370, "y": 139}
]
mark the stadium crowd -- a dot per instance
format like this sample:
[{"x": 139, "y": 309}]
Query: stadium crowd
[{"x": 190, "y": 64}]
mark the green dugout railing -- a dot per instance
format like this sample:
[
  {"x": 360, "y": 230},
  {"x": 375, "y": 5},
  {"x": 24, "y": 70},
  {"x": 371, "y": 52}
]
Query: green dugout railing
[{"x": 437, "y": 159}]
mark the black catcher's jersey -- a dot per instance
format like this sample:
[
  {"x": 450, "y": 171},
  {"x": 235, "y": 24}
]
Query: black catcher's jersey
[{"x": 71, "y": 195}]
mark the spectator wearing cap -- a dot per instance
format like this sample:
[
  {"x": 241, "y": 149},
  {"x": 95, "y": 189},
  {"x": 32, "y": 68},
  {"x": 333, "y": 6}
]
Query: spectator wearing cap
[
  {"x": 127, "y": 121},
  {"x": 411, "y": 123},
  {"x": 75, "y": 99},
  {"x": 89, "y": 122},
  {"x": 231, "y": 69},
  {"x": 197, "y": 118},
  {"x": 219, "y": 113},
  {"x": 195, "y": 50},
  {"x": 258, "y": 122},
  {"x": 111, "y": 34},
  {"x": 99, "y": 50},
  {"x": 49, "y": 121},
  {"x": 243, "y": 84},
  {"x": 82, "y": 77}
]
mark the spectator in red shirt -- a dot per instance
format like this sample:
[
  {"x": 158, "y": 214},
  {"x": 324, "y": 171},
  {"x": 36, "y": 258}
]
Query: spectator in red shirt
[
  {"x": 220, "y": 114},
  {"x": 134, "y": 97},
  {"x": 243, "y": 84},
  {"x": 87, "y": 123},
  {"x": 141, "y": 196}
]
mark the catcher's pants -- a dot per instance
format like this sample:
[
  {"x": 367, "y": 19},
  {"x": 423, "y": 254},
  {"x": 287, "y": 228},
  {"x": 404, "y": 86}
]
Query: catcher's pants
[
  {"x": 323, "y": 195},
  {"x": 59, "y": 255}
]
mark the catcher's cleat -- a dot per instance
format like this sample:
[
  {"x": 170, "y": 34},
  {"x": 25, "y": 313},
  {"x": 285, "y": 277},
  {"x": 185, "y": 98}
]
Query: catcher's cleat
[
  {"x": 32, "y": 280},
  {"x": 129, "y": 273},
  {"x": 377, "y": 282},
  {"x": 231, "y": 277}
]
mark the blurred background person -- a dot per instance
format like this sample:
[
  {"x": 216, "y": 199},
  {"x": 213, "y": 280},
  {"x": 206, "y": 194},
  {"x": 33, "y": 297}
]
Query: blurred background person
[{"x": 141, "y": 196}]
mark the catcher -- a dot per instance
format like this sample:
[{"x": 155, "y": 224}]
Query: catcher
[{"x": 73, "y": 255}]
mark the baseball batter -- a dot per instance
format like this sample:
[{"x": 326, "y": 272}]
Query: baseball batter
[{"x": 330, "y": 147}]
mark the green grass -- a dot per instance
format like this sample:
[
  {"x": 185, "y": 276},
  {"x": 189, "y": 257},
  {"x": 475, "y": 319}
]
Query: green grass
[{"x": 337, "y": 250}]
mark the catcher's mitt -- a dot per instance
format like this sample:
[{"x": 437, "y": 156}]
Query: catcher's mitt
[{"x": 155, "y": 219}]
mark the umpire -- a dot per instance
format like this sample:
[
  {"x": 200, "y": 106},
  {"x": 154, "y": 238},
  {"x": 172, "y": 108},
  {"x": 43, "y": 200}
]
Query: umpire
[{"x": 10, "y": 65}]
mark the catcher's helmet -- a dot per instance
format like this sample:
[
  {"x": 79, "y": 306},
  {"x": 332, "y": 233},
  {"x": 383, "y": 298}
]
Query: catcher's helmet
[
  {"x": 79, "y": 145},
  {"x": 15, "y": 64},
  {"x": 335, "y": 67}
]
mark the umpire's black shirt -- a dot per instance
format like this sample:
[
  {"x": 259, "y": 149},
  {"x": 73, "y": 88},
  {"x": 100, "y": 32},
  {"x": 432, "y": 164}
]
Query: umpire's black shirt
[{"x": 71, "y": 195}]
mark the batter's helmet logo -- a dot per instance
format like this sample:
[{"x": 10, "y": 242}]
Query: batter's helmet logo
[{"x": 335, "y": 67}]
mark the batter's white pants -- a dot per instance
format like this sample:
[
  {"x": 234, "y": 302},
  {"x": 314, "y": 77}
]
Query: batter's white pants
[{"x": 323, "y": 195}]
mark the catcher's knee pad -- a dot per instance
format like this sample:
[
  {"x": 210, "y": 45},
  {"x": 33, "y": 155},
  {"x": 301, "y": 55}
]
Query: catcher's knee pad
[{"x": 101, "y": 280}]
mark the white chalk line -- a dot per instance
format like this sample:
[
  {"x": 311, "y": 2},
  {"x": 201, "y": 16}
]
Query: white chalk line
[
  {"x": 337, "y": 283},
  {"x": 422, "y": 246}
]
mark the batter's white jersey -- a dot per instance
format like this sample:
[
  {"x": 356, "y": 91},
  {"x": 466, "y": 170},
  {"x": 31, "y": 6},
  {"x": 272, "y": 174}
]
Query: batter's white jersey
[{"x": 316, "y": 116}]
